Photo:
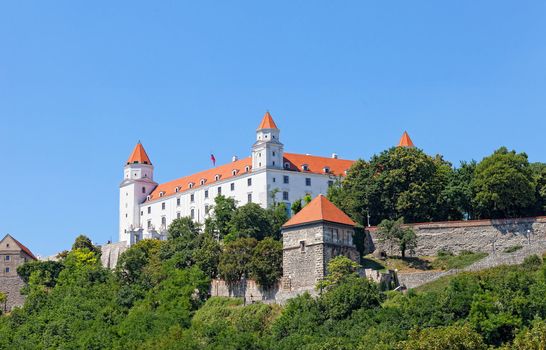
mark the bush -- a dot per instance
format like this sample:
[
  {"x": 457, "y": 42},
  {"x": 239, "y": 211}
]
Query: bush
[
  {"x": 444, "y": 252},
  {"x": 532, "y": 262},
  {"x": 512, "y": 249}
]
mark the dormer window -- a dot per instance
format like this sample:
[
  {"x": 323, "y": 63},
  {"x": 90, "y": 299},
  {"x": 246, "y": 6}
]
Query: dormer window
[
  {"x": 161, "y": 194},
  {"x": 326, "y": 170},
  {"x": 216, "y": 177},
  {"x": 177, "y": 189},
  {"x": 305, "y": 167},
  {"x": 346, "y": 171},
  {"x": 202, "y": 182},
  {"x": 190, "y": 185},
  {"x": 148, "y": 198},
  {"x": 247, "y": 169},
  {"x": 233, "y": 172},
  {"x": 287, "y": 165}
]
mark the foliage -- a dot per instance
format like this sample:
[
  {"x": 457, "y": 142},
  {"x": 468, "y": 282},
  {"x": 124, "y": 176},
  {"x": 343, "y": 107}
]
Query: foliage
[
  {"x": 394, "y": 233},
  {"x": 504, "y": 185},
  {"x": 235, "y": 259},
  {"x": 222, "y": 213},
  {"x": 266, "y": 263},
  {"x": 207, "y": 255},
  {"x": 512, "y": 249},
  {"x": 339, "y": 269},
  {"x": 457, "y": 195},
  {"x": 296, "y": 206},
  {"x": 440, "y": 338},
  {"x": 181, "y": 242},
  {"x": 46, "y": 272},
  {"x": 83, "y": 242}
]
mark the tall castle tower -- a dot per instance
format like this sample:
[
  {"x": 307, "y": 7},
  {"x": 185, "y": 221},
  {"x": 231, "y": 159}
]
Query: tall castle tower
[
  {"x": 267, "y": 151},
  {"x": 138, "y": 183}
]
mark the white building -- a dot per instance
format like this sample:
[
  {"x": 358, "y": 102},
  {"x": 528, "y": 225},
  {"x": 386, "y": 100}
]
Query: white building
[{"x": 147, "y": 208}]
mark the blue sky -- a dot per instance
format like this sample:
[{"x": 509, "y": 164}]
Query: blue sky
[{"x": 82, "y": 82}]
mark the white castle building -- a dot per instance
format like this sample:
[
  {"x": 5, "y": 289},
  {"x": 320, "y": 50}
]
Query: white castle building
[{"x": 269, "y": 174}]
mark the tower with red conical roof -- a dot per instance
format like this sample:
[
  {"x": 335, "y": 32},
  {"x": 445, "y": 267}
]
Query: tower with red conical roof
[
  {"x": 267, "y": 151},
  {"x": 311, "y": 238},
  {"x": 138, "y": 183}
]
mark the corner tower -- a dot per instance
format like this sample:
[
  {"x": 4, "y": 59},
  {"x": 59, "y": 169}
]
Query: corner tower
[
  {"x": 267, "y": 151},
  {"x": 405, "y": 141},
  {"x": 138, "y": 183}
]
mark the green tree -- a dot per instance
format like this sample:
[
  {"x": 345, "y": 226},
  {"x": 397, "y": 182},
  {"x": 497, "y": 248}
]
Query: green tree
[
  {"x": 539, "y": 173},
  {"x": 504, "y": 185},
  {"x": 393, "y": 232},
  {"x": 307, "y": 199},
  {"x": 3, "y": 300},
  {"x": 440, "y": 338},
  {"x": 222, "y": 212},
  {"x": 399, "y": 182},
  {"x": 339, "y": 269},
  {"x": 296, "y": 206},
  {"x": 251, "y": 221},
  {"x": 207, "y": 255},
  {"x": 83, "y": 242},
  {"x": 46, "y": 272},
  {"x": 532, "y": 338},
  {"x": 266, "y": 263},
  {"x": 457, "y": 195},
  {"x": 277, "y": 217},
  {"x": 182, "y": 240},
  {"x": 235, "y": 259}
]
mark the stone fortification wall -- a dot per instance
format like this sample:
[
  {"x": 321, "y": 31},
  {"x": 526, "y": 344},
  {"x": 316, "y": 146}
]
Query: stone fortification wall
[
  {"x": 111, "y": 252},
  {"x": 488, "y": 236},
  {"x": 11, "y": 286}
]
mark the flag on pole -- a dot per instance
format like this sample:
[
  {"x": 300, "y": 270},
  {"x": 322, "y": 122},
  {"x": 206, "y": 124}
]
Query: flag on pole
[{"x": 213, "y": 159}]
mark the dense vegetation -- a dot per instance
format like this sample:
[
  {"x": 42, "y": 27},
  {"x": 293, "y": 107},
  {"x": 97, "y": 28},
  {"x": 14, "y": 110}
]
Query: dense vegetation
[
  {"x": 151, "y": 303},
  {"x": 407, "y": 183}
]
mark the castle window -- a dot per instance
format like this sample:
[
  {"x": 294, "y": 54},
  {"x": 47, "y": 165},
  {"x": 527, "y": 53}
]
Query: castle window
[
  {"x": 149, "y": 224},
  {"x": 206, "y": 193},
  {"x": 148, "y": 198},
  {"x": 273, "y": 163},
  {"x": 216, "y": 177},
  {"x": 141, "y": 213},
  {"x": 330, "y": 183},
  {"x": 305, "y": 167},
  {"x": 219, "y": 190},
  {"x": 287, "y": 165},
  {"x": 234, "y": 172},
  {"x": 149, "y": 209},
  {"x": 207, "y": 209},
  {"x": 178, "y": 202},
  {"x": 273, "y": 153},
  {"x": 285, "y": 196},
  {"x": 307, "y": 181},
  {"x": 326, "y": 170},
  {"x": 274, "y": 180},
  {"x": 192, "y": 214},
  {"x": 249, "y": 198},
  {"x": 143, "y": 189},
  {"x": 286, "y": 179},
  {"x": 260, "y": 164},
  {"x": 163, "y": 222},
  {"x": 7, "y": 258},
  {"x": 302, "y": 246},
  {"x": 192, "y": 197},
  {"x": 232, "y": 186},
  {"x": 7, "y": 270},
  {"x": 163, "y": 206},
  {"x": 249, "y": 181},
  {"x": 177, "y": 189},
  {"x": 247, "y": 168},
  {"x": 161, "y": 194},
  {"x": 202, "y": 182},
  {"x": 178, "y": 215},
  {"x": 190, "y": 185}
]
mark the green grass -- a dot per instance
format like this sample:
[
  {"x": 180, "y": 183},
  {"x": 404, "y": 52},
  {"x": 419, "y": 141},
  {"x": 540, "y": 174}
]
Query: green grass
[
  {"x": 512, "y": 249},
  {"x": 438, "y": 285},
  {"x": 448, "y": 262}
]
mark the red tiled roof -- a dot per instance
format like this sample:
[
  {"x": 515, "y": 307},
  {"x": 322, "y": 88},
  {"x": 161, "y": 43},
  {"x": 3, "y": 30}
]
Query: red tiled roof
[
  {"x": 267, "y": 122},
  {"x": 405, "y": 141},
  {"x": 139, "y": 155},
  {"x": 320, "y": 209},
  {"x": 315, "y": 165},
  {"x": 23, "y": 248}
]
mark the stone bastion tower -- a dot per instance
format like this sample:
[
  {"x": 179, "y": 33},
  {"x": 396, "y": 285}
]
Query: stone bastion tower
[{"x": 311, "y": 238}]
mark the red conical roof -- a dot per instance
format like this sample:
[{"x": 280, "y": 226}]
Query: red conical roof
[
  {"x": 320, "y": 209},
  {"x": 139, "y": 156},
  {"x": 267, "y": 122},
  {"x": 405, "y": 140}
]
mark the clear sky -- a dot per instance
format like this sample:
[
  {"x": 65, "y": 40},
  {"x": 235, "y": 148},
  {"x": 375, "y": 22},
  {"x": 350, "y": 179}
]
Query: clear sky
[{"x": 82, "y": 82}]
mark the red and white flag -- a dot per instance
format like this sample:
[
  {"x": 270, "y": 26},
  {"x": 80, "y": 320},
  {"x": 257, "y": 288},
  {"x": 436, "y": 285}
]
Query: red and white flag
[{"x": 213, "y": 159}]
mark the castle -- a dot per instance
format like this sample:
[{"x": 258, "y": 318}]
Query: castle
[{"x": 268, "y": 175}]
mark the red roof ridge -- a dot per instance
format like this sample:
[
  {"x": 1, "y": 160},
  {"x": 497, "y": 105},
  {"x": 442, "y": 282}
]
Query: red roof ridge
[
  {"x": 267, "y": 122},
  {"x": 139, "y": 155},
  {"x": 405, "y": 140},
  {"x": 319, "y": 209},
  {"x": 22, "y": 246}
]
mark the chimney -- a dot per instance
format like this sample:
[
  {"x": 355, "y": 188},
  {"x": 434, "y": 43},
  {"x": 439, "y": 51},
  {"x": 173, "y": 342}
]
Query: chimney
[
  {"x": 234, "y": 158},
  {"x": 334, "y": 155}
]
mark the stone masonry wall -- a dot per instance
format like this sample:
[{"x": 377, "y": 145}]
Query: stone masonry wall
[
  {"x": 11, "y": 287},
  {"x": 488, "y": 236}
]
